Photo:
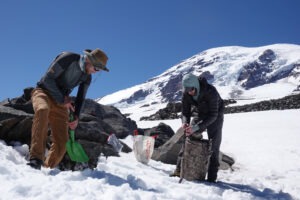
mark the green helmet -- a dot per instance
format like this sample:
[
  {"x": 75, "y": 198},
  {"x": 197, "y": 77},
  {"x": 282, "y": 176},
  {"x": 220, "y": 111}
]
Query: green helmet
[{"x": 191, "y": 81}]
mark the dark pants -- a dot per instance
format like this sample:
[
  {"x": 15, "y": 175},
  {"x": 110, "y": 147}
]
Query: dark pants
[{"x": 214, "y": 132}]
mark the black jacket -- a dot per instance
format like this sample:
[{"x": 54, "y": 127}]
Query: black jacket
[
  {"x": 63, "y": 75},
  {"x": 209, "y": 105}
]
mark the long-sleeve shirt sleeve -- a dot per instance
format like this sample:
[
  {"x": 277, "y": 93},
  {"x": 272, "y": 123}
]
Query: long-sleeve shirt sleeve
[{"x": 81, "y": 93}]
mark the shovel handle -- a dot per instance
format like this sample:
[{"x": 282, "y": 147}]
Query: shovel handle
[
  {"x": 72, "y": 135},
  {"x": 71, "y": 115}
]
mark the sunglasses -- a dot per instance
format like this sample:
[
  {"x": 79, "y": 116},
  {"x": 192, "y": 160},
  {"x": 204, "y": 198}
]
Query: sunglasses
[
  {"x": 189, "y": 89},
  {"x": 97, "y": 68}
]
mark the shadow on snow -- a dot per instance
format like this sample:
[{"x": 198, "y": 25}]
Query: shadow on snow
[
  {"x": 267, "y": 193},
  {"x": 134, "y": 182}
]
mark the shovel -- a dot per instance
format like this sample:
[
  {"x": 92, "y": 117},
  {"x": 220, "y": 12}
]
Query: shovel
[{"x": 74, "y": 149}]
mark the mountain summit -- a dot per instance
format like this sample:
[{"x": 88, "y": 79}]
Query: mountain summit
[{"x": 257, "y": 73}]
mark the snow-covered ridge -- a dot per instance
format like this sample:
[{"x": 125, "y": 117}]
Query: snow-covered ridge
[{"x": 255, "y": 73}]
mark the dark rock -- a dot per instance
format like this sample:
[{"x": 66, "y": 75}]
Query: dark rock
[
  {"x": 288, "y": 102},
  {"x": 21, "y": 103},
  {"x": 137, "y": 96},
  {"x": 203, "y": 63},
  {"x": 109, "y": 119},
  {"x": 168, "y": 152},
  {"x": 15, "y": 125},
  {"x": 170, "y": 112},
  {"x": 172, "y": 89},
  {"x": 162, "y": 134},
  {"x": 257, "y": 72},
  {"x": 267, "y": 56}
]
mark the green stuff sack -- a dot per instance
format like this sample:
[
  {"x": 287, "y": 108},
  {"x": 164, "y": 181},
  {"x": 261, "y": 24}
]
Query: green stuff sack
[{"x": 74, "y": 149}]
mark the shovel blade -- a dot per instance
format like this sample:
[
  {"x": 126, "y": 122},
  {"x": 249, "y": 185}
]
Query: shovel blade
[{"x": 76, "y": 152}]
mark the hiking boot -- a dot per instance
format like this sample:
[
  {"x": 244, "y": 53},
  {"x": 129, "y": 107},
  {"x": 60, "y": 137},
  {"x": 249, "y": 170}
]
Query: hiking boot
[
  {"x": 35, "y": 163},
  {"x": 175, "y": 173},
  {"x": 212, "y": 177},
  {"x": 211, "y": 180}
]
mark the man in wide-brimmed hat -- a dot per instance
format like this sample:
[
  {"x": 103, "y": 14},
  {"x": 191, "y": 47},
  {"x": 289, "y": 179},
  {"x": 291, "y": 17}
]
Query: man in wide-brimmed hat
[{"x": 51, "y": 102}]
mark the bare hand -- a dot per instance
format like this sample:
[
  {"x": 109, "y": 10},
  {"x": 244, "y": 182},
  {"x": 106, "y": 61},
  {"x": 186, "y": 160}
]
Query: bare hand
[
  {"x": 188, "y": 131},
  {"x": 69, "y": 104},
  {"x": 185, "y": 125},
  {"x": 73, "y": 124}
]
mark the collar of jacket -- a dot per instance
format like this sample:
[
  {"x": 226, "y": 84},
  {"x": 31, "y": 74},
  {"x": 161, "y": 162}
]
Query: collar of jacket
[
  {"x": 82, "y": 63},
  {"x": 203, "y": 89}
]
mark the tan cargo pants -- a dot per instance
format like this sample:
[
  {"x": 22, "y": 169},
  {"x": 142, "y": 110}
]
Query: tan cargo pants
[{"x": 48, "y": 112}]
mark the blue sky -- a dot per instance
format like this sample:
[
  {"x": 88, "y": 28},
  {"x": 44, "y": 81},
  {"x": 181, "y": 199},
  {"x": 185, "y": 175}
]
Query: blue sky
[{"x": 142, "y": 38}]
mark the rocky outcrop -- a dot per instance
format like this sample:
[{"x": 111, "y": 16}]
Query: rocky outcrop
[
  {"x": 171, "y": 91},
  {"x": 288, "y": 102},
  {"x": 256, "y": 73},
  {"x": 96, "y": 123},
  {"x": 15, "y": 125},
  {"x": 162, "y": 133},
  {"x": 170, "y": 112}
]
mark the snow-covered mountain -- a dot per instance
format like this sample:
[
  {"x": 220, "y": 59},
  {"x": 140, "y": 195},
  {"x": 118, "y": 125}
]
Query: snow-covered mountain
[{"x": 239, "y": 73}]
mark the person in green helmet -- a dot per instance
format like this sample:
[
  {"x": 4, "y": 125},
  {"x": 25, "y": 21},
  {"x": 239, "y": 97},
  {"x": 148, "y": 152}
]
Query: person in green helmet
[{"x": 210, "y": 116}]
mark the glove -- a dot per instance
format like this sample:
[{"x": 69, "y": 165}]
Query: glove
[
  {"x": 196, "y": 133},
  {"x": 195, "y": 128},
  {"x": 189, "y": 130},
  {"x": 192, "y": 129}
]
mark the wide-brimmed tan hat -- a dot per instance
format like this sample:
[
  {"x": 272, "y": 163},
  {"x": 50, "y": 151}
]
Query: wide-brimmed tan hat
[{"x": 97, "y": 58}]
